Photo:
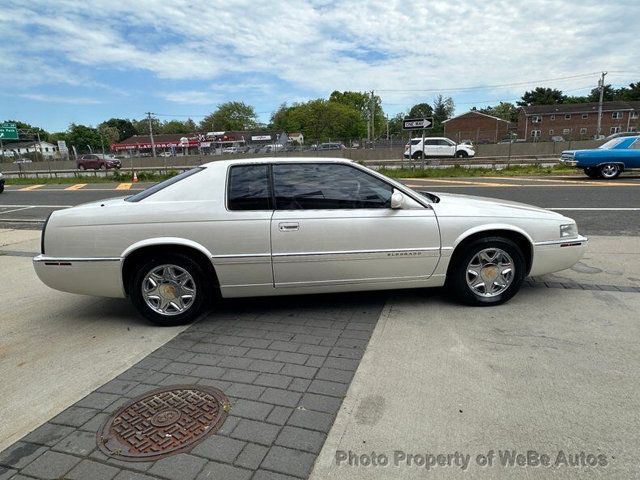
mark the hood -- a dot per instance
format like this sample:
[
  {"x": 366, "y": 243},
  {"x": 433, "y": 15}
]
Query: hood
[{"x": 458, "y": 205}]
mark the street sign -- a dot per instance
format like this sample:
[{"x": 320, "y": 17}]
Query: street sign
[
  {"x": 8, "y": 131},
  {"x": 417, "y": 123}
]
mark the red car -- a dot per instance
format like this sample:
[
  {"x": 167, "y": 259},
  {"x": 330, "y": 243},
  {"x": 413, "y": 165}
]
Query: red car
[{"x": 97, "y": 162}]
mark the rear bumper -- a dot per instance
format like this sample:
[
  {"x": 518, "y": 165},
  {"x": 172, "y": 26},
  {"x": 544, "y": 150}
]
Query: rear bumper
[
  {"x": 549, "y": 257},
  {"x": 100, "y": 277}
]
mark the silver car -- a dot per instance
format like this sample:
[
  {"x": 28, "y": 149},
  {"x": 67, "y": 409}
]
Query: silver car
[{"x": 275, "y": 226}]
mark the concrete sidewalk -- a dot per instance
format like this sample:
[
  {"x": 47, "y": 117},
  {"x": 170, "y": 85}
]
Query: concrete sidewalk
[{"x": 554, "y": 370}]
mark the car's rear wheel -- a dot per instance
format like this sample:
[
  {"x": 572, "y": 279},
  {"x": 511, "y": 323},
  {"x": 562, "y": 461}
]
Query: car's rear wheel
[
  {"x": 592, "y": 172},
  {"x": 461, "y": 154},
  {"x": 488, "y": 272},
  {"x": 609, "y": 171},
  {"x": 1, "y": 187},
  {"x": 169, "y": 290}
]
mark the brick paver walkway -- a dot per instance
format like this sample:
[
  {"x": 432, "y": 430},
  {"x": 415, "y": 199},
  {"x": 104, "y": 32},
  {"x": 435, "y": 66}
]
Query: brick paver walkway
[{"x": 285, "y": 364}]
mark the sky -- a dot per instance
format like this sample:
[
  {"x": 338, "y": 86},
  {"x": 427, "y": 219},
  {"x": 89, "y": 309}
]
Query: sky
[{"x": 67, "y": 61}]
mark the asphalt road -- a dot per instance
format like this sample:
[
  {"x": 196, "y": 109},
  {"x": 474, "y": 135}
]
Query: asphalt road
[{"x": 599, "y": 207}]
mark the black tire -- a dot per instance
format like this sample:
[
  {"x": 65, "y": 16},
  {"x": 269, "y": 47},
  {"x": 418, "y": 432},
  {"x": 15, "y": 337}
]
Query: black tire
[
  {"x": 1, "y": 187},
  {"x": 101, "y": 167},
  {"x": 81, "y": 166},
  {"x": 592, "y": 172},
  {"x": 461, "y": 154},
  {"x": 457, "y": 274},
  {"x": 609, "y": 171},
  {"x": 417, "y": 155},
  {"x": 203, "y": 289}
]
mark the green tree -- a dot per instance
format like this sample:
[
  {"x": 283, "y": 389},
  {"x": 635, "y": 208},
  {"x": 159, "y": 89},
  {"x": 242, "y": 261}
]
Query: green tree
[
  {"x": 420, "y": 110},
  {"x": 608, "y": 94},
  {"x": 443, "y": 109},
  {"x": 629, "y": 94},
  {"x": 230, "y": 116},
  {"x": 84, "y": 138},
  {"x": 395, "y": 124},
  {"x": 576, "y": 99},
  {"x": 124, "y": 127},
  {"x": 108, "y": 136},
  {"x": 542, "y": 96},
  {"x": 504, "y": 110},
  {"x": 364, "y": 103},
  {"x": 142, "y": 126},
  {"x": 175, "y": 126}
]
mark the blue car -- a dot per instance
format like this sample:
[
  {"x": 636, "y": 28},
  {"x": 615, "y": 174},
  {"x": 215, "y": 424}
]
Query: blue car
[{"x": 608, "y": 160}]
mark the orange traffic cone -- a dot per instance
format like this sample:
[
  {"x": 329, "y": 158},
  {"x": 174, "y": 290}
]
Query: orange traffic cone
[{"x": 135, "y": 177}]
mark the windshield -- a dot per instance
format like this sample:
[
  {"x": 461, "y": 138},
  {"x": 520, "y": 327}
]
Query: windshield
[
  {"x": 611, "y": 143},
  {"x": 159, "y": 186}
]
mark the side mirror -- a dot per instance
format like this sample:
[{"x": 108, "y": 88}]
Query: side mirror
[{"x": 397, "y": 199}]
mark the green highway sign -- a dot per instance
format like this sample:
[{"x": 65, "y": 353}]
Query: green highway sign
[{"x": 8, "y": 131}]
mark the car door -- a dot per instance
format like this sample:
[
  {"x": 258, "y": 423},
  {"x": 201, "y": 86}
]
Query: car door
[
  {"x": 333, "y": 226},
  {"x": 430, "y": 148},
  {"x": 446, "y": 148}
]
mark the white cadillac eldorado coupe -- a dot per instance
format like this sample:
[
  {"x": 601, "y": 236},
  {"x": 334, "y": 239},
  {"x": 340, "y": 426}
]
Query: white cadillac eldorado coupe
[{"x": 274, "y": 226}]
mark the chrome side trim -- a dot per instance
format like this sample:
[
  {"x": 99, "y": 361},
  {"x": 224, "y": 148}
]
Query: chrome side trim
[
  {"x": 579, "y": 239},
  {"x": 382, "y": 254},
  {"x": 42, "y": 258},
  {"x": 246, "y": 258},
  {"x": 359, "y": 252}
]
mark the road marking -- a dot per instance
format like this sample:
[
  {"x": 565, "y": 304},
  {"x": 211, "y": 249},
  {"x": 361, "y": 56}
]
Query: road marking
[
  {"x": 30, "y": 187},
  {"x": 15, "y": 210},
  {"x": 463, "y": 182},
  {"x": 578, "y": 182},
  {"x": 77, "y": 186},
  {"x": 36, "y": 206},
  {"x": 597, "y": 209},
  {"x": 124, "y": 186}
]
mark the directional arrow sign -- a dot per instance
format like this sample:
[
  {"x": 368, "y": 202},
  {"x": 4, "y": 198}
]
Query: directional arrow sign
[
  {"x": 8, "y": 132},
  {"x": 417, "y": 123}
]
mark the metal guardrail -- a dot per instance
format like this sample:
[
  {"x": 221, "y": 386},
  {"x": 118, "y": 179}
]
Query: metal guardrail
[{"x": 489, "y": 162}]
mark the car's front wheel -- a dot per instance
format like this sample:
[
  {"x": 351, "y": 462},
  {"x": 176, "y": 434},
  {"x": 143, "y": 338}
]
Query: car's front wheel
[
  {"x": 81, "y": 166},
  {"x": 417, "y": 155},
  {"x": 592, "y": 172},
  {"x": 169, "y": 290},
  {"x": 489, "y": 272},
  {"x": 461, "y": 154},
  {"x": 609, "y": 171}
]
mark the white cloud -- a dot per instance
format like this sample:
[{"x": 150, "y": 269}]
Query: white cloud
[
  {"x": 40, "y": 97},
  {"x": 319, "y": 46}
]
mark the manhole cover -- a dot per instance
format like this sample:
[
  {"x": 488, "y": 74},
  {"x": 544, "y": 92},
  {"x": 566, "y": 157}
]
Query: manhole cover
[{"x": 162, "y": 422}]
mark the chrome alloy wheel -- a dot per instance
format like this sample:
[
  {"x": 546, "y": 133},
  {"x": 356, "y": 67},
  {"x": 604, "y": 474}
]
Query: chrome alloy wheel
[
  {"x": 610, "y": 170},
  {"x": 490, "y": 272},
  {"x": 168, "y": 289}
]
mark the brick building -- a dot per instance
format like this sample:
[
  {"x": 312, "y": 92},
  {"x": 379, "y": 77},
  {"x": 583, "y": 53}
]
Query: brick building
[
  {"x": 577, "y": 121},
  {"x": 476, "y": 126}
]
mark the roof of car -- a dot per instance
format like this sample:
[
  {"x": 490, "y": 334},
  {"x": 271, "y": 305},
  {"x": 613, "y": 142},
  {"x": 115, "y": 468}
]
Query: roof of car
[{"x": 278, "y": 160}]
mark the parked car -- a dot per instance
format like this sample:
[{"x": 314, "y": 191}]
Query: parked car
[
  {"x": 331, "y": 146},
  {"x": 230, "y": 150},
  {"x": 437, "y": 147},
  {"x": 607, "y": 161},
  {"x": 276, "y": 226},
  {"x": 1, "y": 183},
  {"x": 166, "y": 154},
  {"x": 97, "y": 161},
  {"x": 23, "y": 160},
  {"x": 557, "y": 138}
]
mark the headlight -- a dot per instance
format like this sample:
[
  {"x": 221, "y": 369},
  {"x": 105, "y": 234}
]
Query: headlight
[{"x": 569, "y": 230}]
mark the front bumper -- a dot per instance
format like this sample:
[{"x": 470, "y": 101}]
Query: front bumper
[
  {"x": 101, "y": 276},
  {"x": 569, "y": 161},
  {"x": 549, "y": 257}
]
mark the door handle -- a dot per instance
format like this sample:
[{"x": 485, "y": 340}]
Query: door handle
[{"x": 289, "y": 226}]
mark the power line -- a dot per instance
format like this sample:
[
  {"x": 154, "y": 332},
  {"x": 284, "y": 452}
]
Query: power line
[{"x": 479, "y": 87}]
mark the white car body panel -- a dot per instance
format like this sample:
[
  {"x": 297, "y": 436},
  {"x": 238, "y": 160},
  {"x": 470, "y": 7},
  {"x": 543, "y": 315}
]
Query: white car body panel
[{"x": 253, "y": 255}]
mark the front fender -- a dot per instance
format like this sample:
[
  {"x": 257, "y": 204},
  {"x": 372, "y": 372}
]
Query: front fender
[{"x": 490, "y": 227}]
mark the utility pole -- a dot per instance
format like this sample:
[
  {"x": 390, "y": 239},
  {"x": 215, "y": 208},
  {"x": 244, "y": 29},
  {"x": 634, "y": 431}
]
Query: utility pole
[
  {"x": 153, "y": 145},
  {"x": 373, "y": 122},
  {"x": 601, "y": 87}
]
